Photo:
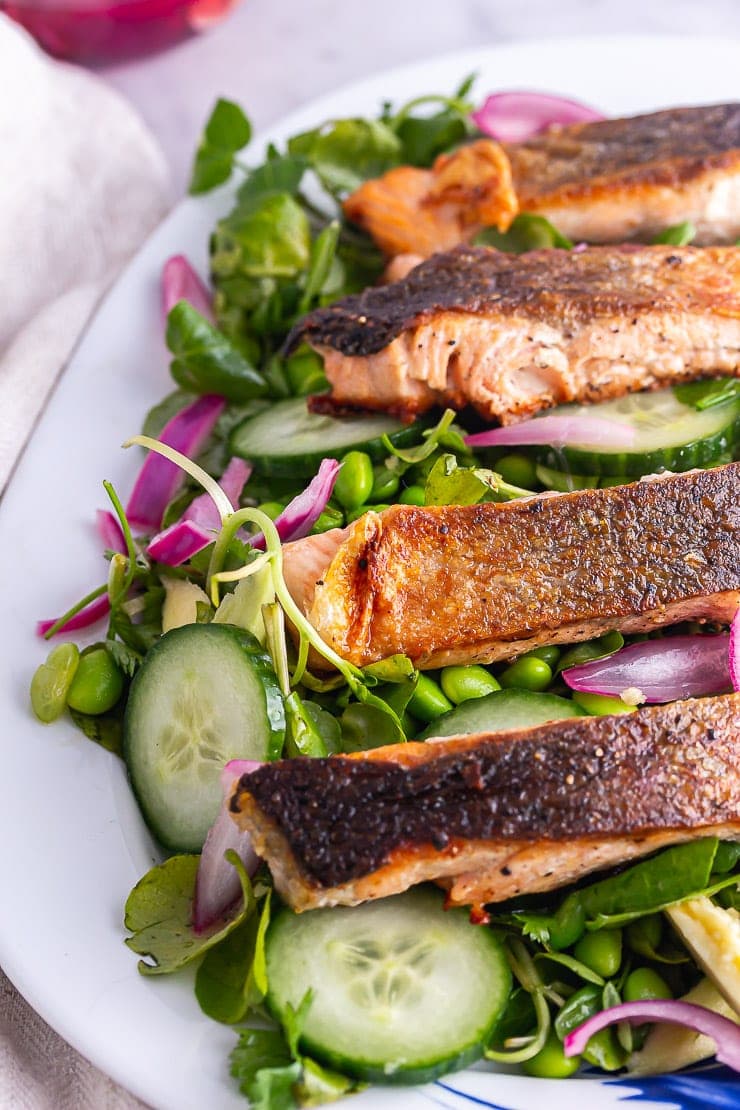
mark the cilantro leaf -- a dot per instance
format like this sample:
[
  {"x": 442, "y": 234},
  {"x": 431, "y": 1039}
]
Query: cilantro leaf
[
  {"x": 227, "y": 131},
  {"x": 159, "y": 915},
  {"x": 262, "y": 1064}
]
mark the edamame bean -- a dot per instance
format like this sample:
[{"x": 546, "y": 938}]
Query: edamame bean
[
  {"x": 330, "y": 518},
  {"x": 428, "y": 702},
  {"x": 601, "y": 951},
  {"x": 551, "y": 1061},
  {"x": 517, "y": 470},
  {"x": 385, "y": 484},
  {"x": 548, "y": 653},
  {"x": 51, "y": 682},
  {"x": 601, "y": 705},
  {"x": 97, "y": 684},
  {"x": 644, "y": 983},
  {"x": 355, "y": 480},
  {"x": 644, "y": 935},
  {"x": 412, "y": 495},
  {"x": 527, "y": 673},
  {"x": 464, "y": 683}
]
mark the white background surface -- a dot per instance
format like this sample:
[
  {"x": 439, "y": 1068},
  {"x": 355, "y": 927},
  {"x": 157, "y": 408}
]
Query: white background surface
[{"x": 275, "y": 55}]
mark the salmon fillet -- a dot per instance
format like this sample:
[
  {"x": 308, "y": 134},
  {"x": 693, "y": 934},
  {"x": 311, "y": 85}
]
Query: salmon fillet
[
  {"x": 514, "y": 334},
  {"x": 478, "y": 583},
  {"x": 620, "y": 179},
  {"x": 418, "y": 211},
  {"x": 493, "y": 816}
]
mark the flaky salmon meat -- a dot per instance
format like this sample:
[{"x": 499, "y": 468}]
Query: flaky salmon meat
[
  {"x": 478, "y": 583},
  {"x": 417, "y": 211},
  {"x": 492, "y": 816},
  {"x": 514, "y": 334},
  {"x": 630, "y": 178}
]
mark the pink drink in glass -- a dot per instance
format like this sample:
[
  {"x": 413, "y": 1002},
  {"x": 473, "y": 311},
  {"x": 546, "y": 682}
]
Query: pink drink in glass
[{"x": 111, "y": 30}]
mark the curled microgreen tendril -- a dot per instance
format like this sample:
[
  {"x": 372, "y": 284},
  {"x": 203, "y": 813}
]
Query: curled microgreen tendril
[
  {"x": 524, "y": 969},
  {"x": 209, "y": 484},
  {"x": 236, "y": 575}
]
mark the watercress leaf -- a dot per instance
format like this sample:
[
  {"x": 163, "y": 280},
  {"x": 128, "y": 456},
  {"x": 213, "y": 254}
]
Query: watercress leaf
[
  {"x": 366, "y": 726},
  {"x": 227, "y": 131},
  {"x": 311, "y": 730},
  {"x": 159, "y": 911},
  {"x": 396, "y": 668},
  {"x": 204, "y": 359},
  {"x": 221, "y": 979},
  {"x": 264, "y": 1069},
  {"x": 413, "y": 455},
  {"x": 425, "y": 137},
  {"x": 679, "y": 235},
  {"x": 526, "y": 233},
  {"x": 270, "y": 238},
  {"x": 727, "y": 857},
  {"x": 105, "y": 729},
  {"x": 347, "y": 152},
  {"x": 281, "y": 174},
  {"x": 161, "y": 413}
]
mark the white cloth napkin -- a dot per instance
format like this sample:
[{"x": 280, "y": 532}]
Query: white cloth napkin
[{"x": 83, "y": 183}]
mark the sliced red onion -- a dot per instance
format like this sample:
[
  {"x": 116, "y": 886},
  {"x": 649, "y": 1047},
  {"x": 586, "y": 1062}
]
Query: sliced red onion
[
  {"x": 734, "y": 651},
  {"x": 217, "y": 884},
  {"x": 203, "y": 510},
  {"x": 178, "y": 543},
  {"x": 110, "y": 531},
  {"x": 724, "y": 1033},
  {"x": 514, "y": 117},
  {"x": 299, "y": 516},
  {"x": 557, "y": 431},
  {"x": 663, "y": 670},
  {"x": 91, "y": 614},
  {"x": 159, "y": 479},
  {"x": 180, "y": 282}
]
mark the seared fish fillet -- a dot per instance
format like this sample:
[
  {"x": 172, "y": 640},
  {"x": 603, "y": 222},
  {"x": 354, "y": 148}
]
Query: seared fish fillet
[
  {"x": 418, "y": 211},
  {"x": 492, "y": 816},
  {"x": 625, "y": 178},
  {"x": 512, "y": 335},
  {"x": 478, "y": 583},
  {"x": 602, "y": 182}
]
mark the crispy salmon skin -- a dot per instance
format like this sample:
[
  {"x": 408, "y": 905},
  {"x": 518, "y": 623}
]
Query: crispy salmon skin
[
  {"x": 496, "y": 815},
  {"x": 479, "y": 583},
  {"x": 515, "y": 334},
  {"x": 618, "y": 179}
]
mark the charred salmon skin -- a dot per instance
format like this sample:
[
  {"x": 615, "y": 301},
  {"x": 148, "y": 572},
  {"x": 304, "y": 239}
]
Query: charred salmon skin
[
  {"x": 514, "y": 334},
  {"x": 479, "y": 583},
  {"x": 492, "y": 816},
  {"x": 620, "y": 179}
]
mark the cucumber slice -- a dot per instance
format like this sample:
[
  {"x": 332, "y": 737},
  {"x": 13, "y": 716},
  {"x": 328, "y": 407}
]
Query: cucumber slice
[
  {"x": 401, "y": 990},
  {"x": 205, "y": 694},
  {"x": 287, "y": 440},
  {"x": 501, "y": 710},
  {"x": 669, "y": 435}
]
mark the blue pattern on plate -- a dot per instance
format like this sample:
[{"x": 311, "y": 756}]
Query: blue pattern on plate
[
  {"x": 712, "y": 1088},
  {"x": 475, "y": 1100}
]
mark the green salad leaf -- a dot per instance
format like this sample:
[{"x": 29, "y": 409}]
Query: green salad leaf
[
  {"x": 159, "y": 915},
  {"x": 527, "y": 232},
  {"x": 227, "y": 131},
  {"x": 679, "y": 235},
  {"x": 347, "y": 152},
  {"x": 232, "y": 978},
  {"x": 204, "y": 359}
]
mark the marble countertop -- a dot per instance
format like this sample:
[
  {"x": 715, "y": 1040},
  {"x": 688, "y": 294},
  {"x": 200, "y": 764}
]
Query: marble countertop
[{"x": 274, "y": 55}]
